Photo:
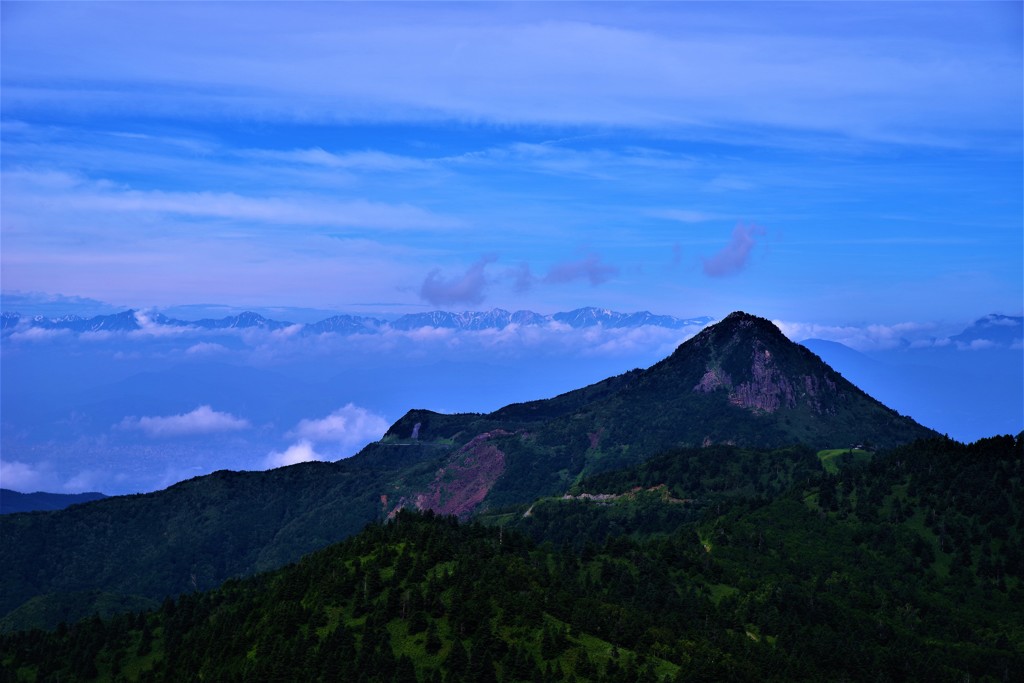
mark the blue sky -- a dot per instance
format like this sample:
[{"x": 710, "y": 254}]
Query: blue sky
[
  {"x": 852, "y": 171},
  {"x": 825, "y": 163}
]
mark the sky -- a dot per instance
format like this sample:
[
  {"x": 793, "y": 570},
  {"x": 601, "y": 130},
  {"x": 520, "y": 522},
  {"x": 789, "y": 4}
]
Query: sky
[
  {"x": 820, "y": 163},
  {"x": 851, "y": 171}
]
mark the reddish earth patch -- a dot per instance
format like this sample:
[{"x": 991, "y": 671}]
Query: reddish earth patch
[{"x": 462, "y": 484}]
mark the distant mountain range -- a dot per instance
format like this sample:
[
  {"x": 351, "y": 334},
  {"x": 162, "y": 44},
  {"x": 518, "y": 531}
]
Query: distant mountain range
[{"x": 495, "y": 319}]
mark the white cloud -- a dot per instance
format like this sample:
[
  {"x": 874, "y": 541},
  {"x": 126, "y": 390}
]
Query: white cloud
[
  {"x": 977, "y": 345},
  {"x": 206, "y": 349},
  {"x": 202, "y": 420},
  {"x": 294, "y": 454},
  {"x": 24, "y": 477},
  {"x": 347, "y": 429},
  {"x": 150, "y": 328}
]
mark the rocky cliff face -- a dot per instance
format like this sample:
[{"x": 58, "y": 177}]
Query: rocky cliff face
[{"x": 769, "y": 387}]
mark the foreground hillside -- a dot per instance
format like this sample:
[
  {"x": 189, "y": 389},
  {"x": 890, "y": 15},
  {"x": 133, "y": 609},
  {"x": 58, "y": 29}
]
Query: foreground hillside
[
  {"x": 738, "y": 382},
  {"x": 905, "y": 567}
]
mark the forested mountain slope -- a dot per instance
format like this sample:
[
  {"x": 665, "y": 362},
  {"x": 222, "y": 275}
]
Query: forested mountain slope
[
  {"x": 907, "y": 567},
  {"x": 131, "y": 551}
]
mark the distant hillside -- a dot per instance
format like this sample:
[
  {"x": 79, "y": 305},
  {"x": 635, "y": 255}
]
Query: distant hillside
[{"x": 13, "y": 501}]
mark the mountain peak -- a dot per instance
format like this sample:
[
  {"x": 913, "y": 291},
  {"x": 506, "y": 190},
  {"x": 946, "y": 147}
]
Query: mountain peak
[
  {"x": 738, "y": 329},
  {"x": 741, "y": 315},
  {"x": 743, "y": 318},
  {"x": 744, "y": 363},
  {"x": 739, "y": 382}
]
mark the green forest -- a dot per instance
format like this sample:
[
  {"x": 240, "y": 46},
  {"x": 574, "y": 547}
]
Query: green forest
[{"x": 720, "y": 564}]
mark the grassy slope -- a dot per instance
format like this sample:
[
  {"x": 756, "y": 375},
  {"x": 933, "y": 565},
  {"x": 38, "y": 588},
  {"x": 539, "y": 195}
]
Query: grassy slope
[{"x": 831, "y": 457}]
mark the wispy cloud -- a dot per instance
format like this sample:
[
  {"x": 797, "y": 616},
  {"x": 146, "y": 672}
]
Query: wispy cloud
[
  {"x": 78, "y": 195},
  {"x": 470, "y": 288},
  {"x": 685, "y": 215},
  {"x": 733, "y": 258},
  {"x": 607, "y": 163},
  {"x": 589, "y": 268},
  {"x": 364, "y": 160},
  {"x": 37, "y": 334},
  {"x": 202, "y": 420},
  {"x": 686, "y": 66}
]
